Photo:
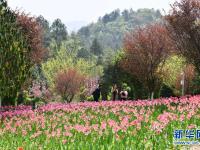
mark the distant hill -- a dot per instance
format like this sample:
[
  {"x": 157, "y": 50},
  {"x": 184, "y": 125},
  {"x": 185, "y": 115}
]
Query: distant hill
[{"x": 110, "y": 29}]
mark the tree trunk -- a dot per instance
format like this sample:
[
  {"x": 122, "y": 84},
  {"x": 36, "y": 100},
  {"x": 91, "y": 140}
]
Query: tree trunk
[
  {"x": 34, "y": 105},
  {"x": 72, "y": 97},
  {"x": 152, "y": 95},
  {"x": 20, "y": 97}
]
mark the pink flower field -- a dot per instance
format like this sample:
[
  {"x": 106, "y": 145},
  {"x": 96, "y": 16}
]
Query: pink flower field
[{"x": 119, "y": 125}]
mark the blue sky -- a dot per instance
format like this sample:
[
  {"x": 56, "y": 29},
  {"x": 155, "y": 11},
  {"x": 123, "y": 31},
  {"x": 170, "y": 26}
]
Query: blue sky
[{"x": 82, "y": 10}]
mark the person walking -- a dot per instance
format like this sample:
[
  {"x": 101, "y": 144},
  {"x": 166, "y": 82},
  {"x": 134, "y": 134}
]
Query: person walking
[
  {"x": 114, "y": 91},
  {"x": 96, "y": 94}
]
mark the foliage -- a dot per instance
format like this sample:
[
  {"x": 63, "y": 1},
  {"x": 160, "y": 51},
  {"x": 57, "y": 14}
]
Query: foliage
[
  {"x": 184, "y": 26},
  {"x": 68, "y": 83},
  {"x": 115, "y": 74},
  {"x": 166, "y": 91},
  {"x": 67, "y": 58},
  {"x": 84, "y": 53},
  {"x": 111, "y": 17},
  {"x": 39, "y": 90},
  {"x": 96, "y": 48},
  {"x": 189, "y": 75},
  {"x": 21, "y": 48},
  {"x": 99, "y": 37},
  {"x": 111, "y": 28},
  {"x": 126, "y": 87},
  {"x": 172, "y": 69},
  {"x": 58, "y": 32},
  {"x": 196, "y": 84},
  {"x": 11, "y": 53},
  {"x": 83, "y": 93},
  {"x": 32, "y": 31},
  {"x": 146, "y": 50},
  {"x": 44, "y": 24}
]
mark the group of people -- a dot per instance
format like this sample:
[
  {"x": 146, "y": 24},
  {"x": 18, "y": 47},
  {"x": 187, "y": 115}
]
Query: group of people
[{"x": 116, "y": 95}]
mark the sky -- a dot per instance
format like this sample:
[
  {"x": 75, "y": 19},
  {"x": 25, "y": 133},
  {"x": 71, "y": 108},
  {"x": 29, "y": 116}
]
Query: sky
[{"x": 82, "y": 11}]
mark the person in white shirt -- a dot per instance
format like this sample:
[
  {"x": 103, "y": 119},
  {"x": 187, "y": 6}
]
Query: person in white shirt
[{"x": 123, "y": 95}]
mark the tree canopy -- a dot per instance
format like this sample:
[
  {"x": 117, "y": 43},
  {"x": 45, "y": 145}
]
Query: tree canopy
[
  {"x": 146, "y": 50},
  {"x": 184, "y": 25},
  {"x": 20, "y": 49}
]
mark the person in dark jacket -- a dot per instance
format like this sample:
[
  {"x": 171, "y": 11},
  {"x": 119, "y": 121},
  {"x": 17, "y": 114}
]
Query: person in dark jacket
[{"x": 96, "y": 94}]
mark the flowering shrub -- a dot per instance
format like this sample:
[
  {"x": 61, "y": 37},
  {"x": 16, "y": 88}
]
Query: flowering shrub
[
  {"x": 68, "y": 83},
  {"x": 138, "y": 124},
  {"x": 38, "y": 91}
]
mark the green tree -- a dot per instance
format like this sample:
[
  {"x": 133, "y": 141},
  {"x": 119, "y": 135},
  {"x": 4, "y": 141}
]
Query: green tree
[
  {"x": 172, "y": 69},
  {"x": 83, "y": 53},
  {"x": 96, "y": 48},
  {"x": 67, "y": 58},
  {"x": 11, "y": 54},
  {"x": 58, "y": 32},
  {"x": 112, "y": 16},
  {"x": 20, "y": 49},
  {"x": 46, "y": 30},
  {"x": 110, "y": 31},
  {"x": 115, "y": 74},
  {"x": 125, "y": 14}
]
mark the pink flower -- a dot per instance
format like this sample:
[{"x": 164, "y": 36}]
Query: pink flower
[
  {"x": 155, "y": 125},
  {"x": 111, "y": 123},
  {"x": 95, "y": 127},
  {"x": 64, "y": 141},
  {"x": 192, "y": 126},
  {"x": 53, "y": 134},
  {"x": 189, "y": 116},
  {"x": 182, "y": 117},
  {"x": 163, "y": 118},
  {"x": 135, "y": 122},
  {"x": 67, "y": 134},
  {"x": 58, "y": 132},
  {"x": 24, "y": 132},
  {"x": 125, "y": 122},
  {"x": 116, "y": 128},
  {"x": 103, "y": 125}
]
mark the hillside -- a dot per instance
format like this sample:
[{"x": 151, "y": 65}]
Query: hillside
[{"x": 110, "y": 29}]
